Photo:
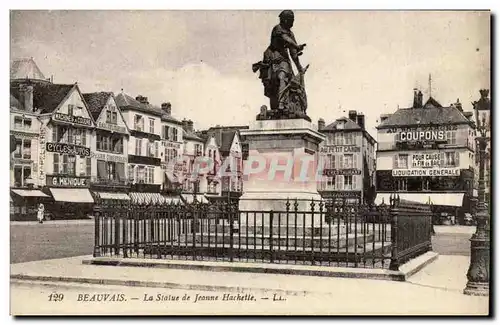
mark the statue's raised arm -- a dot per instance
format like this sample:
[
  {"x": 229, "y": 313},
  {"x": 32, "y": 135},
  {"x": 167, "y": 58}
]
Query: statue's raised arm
[{"x": 286, "y": 92}]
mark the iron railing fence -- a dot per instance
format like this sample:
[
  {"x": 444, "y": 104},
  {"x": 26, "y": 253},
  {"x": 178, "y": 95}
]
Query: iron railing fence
[{"x": 328, "y": 233}]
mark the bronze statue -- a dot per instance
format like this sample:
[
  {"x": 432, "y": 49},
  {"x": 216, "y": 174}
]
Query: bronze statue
[{"x": 285, "y": 90}]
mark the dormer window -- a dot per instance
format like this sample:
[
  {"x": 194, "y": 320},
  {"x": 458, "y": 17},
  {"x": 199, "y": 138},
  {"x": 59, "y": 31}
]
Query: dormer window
[
  {"x": 340, "y": 126},
  {"x": 71, "y": 109}
]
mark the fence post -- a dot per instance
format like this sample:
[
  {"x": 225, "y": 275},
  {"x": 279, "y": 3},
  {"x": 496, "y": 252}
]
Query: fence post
[
  {"x": 116, "y": 220},
  {"x": 271, "y": 226},
  {"x": 394, "y": 201},
  {"x": 97, "y": 234},
  {"x": 231, "y": 232}
]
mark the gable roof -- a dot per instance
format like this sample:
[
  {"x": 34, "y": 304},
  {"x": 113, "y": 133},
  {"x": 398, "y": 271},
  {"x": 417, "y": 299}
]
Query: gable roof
[
  {"x": 46, "y": 96},
  {"x": 126, "y": 102},
  {"x": 431, "y": 113},
  {"x": 96, "y": 102},
  {"x": 191, "y": 136},
  {"x": 25, "y": 69},
  {"x": 349, "y": 125}
]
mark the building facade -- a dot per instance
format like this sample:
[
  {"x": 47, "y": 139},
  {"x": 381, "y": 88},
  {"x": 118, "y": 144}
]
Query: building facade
[
  {"x": 109, "y": 148},
  {"x": 144, "y": 156},
  {"x": 427, "y": 154},
  {"x": 172, "y": 148},
  {"x": 194, "y": 183},
  {"x": 348, "y": 156}
]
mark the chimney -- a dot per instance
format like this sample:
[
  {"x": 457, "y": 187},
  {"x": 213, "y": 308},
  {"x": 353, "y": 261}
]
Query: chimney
[
  {"x": 321, "y": 124},
  {"x": 415, "y": 98},
  {"x": 459, "y": 105},
  {"x": 190, "y": 125},
  {"x": 352, "y": 116},
  {"x": 420, "y": 99},
  {"x": 167, "y": 108},
  {"x": 141, "y": 99},
  {"x": 361, "y": 121},
  {"x": 185, "y": 125},
  {"x": 26, "y": 92}
]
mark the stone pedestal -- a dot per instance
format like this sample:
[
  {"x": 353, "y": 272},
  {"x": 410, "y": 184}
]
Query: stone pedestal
[{"x": 289, "y": 150}]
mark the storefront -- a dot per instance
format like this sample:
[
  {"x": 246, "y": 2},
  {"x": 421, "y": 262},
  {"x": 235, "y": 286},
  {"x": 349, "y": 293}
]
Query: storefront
[
  {"x": 24, "y": 203},
  {"x": 71, "y": 197}
]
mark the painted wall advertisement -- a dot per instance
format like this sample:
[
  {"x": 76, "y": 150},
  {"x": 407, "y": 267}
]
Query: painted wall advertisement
[
  {"x": 425, "y": 160},
  {"x": 109, "y": 157},
  {"x": 72, "y": 119},
  {"x": 70, "y": 149},
  {"x": 41, "y": 150},
  {"x": 340, "y": 149}
]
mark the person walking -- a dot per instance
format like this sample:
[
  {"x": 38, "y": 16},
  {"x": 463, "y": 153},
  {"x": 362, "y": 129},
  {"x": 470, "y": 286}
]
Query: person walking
[{"x": 40, "y": 213}]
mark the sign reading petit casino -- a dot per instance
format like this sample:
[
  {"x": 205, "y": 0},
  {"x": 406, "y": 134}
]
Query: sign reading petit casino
[
  {"x": 426, "y": 172},
  {"x": 72, "y": 119},
  {"x": 339, "y": 148},
  {"x": 69, "y": 149},
  {"x": 70, "y": 181}
]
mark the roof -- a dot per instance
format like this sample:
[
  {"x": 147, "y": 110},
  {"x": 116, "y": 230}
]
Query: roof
[
  {"x": 349, "y": 125},
  {"x": 431, "y": 113},
  {"x": 96, "y": 102},
  {"x": 226, "y": 141},
  {"x": 126, "y": 102},
  {"x": 191, "y": 136},
  {"x": 25, "y": 69},
  {"x": 170, "y": 118},
  {"x": 46, "y": 96}
]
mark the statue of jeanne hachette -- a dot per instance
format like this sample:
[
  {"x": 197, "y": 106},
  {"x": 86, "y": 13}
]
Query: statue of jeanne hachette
[{"x": 285, "y": 90}]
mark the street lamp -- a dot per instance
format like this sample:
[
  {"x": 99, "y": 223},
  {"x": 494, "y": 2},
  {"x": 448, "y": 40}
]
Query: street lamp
[{"x": 478, "y": 275}]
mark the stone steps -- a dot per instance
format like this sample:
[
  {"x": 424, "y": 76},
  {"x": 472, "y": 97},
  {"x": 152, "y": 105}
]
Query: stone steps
[{"x": 333, "y": 241}]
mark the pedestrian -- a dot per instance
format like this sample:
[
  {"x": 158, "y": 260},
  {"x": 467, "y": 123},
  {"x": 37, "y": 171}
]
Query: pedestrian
[{"x": 40, "y": 213}]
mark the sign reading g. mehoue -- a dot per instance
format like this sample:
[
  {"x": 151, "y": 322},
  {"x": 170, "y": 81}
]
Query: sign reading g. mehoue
[{"x": 70, "y": 149}]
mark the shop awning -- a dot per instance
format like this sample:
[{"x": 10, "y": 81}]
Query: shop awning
[
  {"x": 75, "y": 195},
  {"x": 113, "y": 196},
  {"x": 446, "y": 199},
  {"x": 189, "y": 198},
  {"x": 146, "y": 198},
  {"x": 30, "y": 193}
]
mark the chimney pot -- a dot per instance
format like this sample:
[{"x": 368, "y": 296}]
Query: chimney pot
[
  {"x": 167, "y": 108},
  {"x": 361, "y": 121},
  {"x": 26, "y": 92},
  {"x": 321, "y": 124},
  {"x": 352, "y": 116}
]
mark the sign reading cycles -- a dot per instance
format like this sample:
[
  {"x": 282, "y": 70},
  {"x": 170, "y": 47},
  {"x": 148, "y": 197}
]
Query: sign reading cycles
[{"x": 69, "y": 149}]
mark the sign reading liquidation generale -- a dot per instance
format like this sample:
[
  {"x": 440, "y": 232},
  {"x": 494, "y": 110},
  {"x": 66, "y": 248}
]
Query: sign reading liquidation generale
[
  {"x": 426, "y": 172},
  {"x": 70, "y": 149}
]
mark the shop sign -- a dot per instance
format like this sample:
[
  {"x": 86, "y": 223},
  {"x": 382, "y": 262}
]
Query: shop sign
[
  {"x": 70, "y": 149},
  {"x": 169, "y": 144},
  {"x": 422, "y": 136},
  {"x": 425, "y": 160},
  {"x": 452, "y": 172},
  {"x": 72, "y": 119},
  {"x": 347, "y": 172},
  {"x": 67, "y": 181},
  {"x": 41, "y": 154},
  {"x": 339, "y": 149},
  {"x": 109, "y": 157},
  {"x": 346, "y": 194},
  {"x": 111, "y": 127},
  {"x": 423, "y": 128}
]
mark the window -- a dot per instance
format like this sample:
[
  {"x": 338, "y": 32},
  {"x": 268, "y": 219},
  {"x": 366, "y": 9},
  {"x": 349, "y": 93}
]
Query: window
[
  {"x": 349, "y": 138},
  {"x": 151, "y": 148},
  {"x": 174, "y": 134},
  {"x": 451, "y": 136},
  {"x": 71, "y": 109},
  {"x": 340, "y": 162},
  {"x": 131, "y": 172},
  {"x": 450, "y": 159},
  {"x": 402, "y": 185},
  {"x": 330, "y": 183},
  {"x": 150, "y": 175},
  {"x": 165, "y": 132},
  {"x": 88, "y": 166},
  {"x": 151, "y": 125},
  {"x": 138, "y": 123},
  {"x": 426, "y": 184},
  {"x": 114, "y": 117},
  {"x": 22, "y": 123},
  {"x": 348, "y": 161},
  {"x": 19, "y": 146},
  {"x": 170, "y": 155},
  {"x": 339, "y": 180},
  {"x": 156, "y": 149},
  {"x": 401, "y": 161},
  {"x": 108, "y": 117},
  {"x": 101, "y": 169},
  {"x": 331, "y": 159},
  {"x": 138, "y": 145},
  {"x": 339, "y": 139},
  {"x": 56, "y": 164},
  {"x": 198, "y": 149},
  {"x": 26, "y": 149},
  {"x": 348, "y": 182}
]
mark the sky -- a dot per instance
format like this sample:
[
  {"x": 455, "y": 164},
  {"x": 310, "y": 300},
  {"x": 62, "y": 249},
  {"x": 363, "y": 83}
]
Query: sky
[{"x": 200, "y": 61}]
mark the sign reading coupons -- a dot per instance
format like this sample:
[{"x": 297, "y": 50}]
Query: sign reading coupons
[{"x": 426, "y": 172}]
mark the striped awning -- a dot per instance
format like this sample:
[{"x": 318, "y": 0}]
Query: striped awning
[
  {"x": 30, "y": 193},
  {"x": 189, "y": 198},
  {"x": 445, "y": 199},
  {"x": 113, "y": 196},
  {"x": 74, "y": 195}
]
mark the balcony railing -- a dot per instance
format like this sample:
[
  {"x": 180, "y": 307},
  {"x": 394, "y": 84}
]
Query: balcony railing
[{"x": 381, "y": 146}]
